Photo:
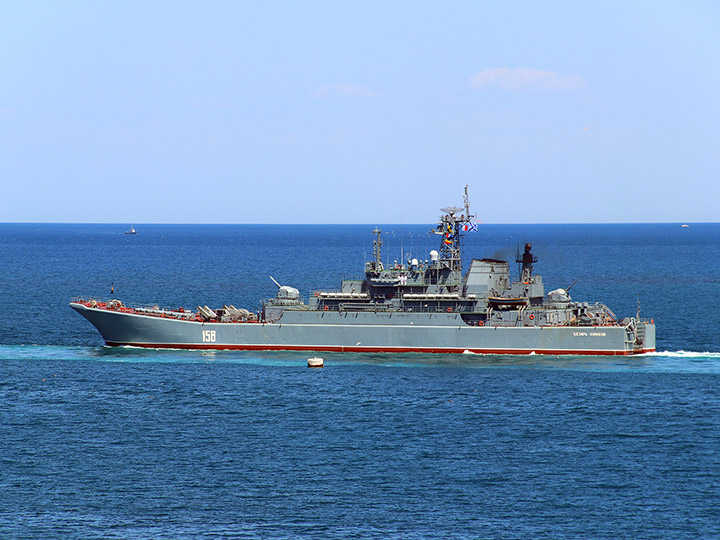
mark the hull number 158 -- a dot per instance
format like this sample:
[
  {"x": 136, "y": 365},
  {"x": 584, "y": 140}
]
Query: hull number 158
[{"x": 208, "y": 336}]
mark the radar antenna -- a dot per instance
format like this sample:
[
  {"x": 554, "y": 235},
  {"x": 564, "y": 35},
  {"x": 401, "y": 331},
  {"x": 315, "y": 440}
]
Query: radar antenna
[{"x": 450, "y": 226}]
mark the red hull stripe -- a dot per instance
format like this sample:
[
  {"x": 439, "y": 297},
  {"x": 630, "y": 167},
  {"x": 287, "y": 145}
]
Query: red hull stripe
[{"x": 339, "y": 348}]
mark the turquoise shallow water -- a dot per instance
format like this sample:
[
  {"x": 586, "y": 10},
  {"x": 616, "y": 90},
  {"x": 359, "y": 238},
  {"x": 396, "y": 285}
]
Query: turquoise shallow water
[
  {"x": 657, "y": 362},
  {"x": 131, "y": 443}
]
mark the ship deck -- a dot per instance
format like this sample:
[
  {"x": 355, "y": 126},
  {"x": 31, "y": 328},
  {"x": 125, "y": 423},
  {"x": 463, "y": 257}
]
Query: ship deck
[{"x": 183, "y": 314}]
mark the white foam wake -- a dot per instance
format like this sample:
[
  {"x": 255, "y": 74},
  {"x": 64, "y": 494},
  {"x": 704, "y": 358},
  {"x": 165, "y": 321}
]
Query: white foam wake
[{"x": 683, "y": 354}]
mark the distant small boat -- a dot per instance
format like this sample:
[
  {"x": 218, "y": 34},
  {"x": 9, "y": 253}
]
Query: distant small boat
[
  {"x": 685, "y": 226},
  {"x": 131, "y": 231}
]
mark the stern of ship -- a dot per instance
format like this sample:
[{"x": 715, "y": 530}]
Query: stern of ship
[{"x": 641, "y": 335}]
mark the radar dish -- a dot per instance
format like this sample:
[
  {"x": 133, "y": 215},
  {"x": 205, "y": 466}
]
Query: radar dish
[{"x": 451, "y": 210}]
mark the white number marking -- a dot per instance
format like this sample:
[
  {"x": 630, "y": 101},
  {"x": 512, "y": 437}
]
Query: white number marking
[{"x": 208, "y": 336}]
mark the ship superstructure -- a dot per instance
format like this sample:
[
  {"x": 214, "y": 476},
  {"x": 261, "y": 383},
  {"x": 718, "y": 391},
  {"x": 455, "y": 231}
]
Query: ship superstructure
[{"x": 427, "y": 306}]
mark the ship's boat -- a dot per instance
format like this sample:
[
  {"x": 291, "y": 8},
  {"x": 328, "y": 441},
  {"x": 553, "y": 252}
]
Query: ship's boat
[
  {"x": 422, "y": 306},
  {"x": 385, "y": 281},
  {"x": 502, "y": 302}
]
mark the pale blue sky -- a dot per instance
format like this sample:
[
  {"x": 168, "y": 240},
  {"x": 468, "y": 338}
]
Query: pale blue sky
[{"x": 375, "y": 112}]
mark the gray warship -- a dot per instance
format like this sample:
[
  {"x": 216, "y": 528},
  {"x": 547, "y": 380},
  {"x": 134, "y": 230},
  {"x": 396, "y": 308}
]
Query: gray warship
[{"x": 412, "y": 307}]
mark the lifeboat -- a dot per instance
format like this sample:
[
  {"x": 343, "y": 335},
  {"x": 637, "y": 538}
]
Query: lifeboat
[
  {"x": 501, "y": 302},
  {"x": 385, "y": 281}
]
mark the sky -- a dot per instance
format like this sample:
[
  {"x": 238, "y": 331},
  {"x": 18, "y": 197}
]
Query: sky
[{"x": 366, "y": 112}]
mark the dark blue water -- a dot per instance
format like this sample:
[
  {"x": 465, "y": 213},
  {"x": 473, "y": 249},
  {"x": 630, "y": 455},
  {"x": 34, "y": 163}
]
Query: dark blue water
[{"x": 127, "y": 443}]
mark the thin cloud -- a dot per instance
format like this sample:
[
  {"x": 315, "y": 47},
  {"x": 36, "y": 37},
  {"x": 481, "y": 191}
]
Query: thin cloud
[
  {"x": 524, "y": 78},
  {"x": 347, "y": 90}
]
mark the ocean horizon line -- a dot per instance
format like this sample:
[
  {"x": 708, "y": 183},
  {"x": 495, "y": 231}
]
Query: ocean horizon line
[{"x": 371, "y": 224}]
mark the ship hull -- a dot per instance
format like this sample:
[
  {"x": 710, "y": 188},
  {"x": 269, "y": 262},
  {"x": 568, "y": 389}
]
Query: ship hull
[{"x": 392, "y": 332}]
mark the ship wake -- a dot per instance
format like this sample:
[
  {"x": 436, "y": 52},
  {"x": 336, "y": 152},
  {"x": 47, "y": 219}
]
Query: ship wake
[{"x": 683, "y": 354}]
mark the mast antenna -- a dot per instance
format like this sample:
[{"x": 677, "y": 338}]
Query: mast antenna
[
  {"x": 450, "y": 227},
  {"x": 377, "y": 249},
  {"x": 466, "y": 200}
]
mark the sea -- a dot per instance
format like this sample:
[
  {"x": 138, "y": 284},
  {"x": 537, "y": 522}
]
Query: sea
[{"x": 125, "y": 443}]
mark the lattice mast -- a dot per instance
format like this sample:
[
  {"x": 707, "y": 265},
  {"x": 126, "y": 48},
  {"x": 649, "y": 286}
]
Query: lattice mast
[
  {"x": 376, "y": 265},
  {"x": 450, "y": 227}
]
